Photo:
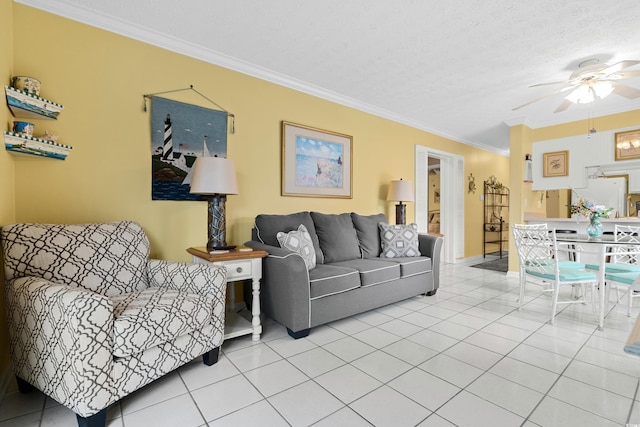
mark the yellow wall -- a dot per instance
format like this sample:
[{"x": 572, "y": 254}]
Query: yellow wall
[
  {"x": 100, "y": 78},
  {"x": 7, "y": 195}
]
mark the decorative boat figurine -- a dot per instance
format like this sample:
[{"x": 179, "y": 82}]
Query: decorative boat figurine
[
  {"x": 19, "y": 143},
  {"x": 25, "y": 105}
]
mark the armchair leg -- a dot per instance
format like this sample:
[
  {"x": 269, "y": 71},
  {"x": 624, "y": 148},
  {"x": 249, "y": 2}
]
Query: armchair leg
[
  {"x": 23, "y": 386},
  {"x": 95, "y": 420},
  {"x": 211, "y": 356}
]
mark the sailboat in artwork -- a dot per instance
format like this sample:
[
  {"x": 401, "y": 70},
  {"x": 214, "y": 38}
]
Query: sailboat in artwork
[{"x": 205, "y": 153}]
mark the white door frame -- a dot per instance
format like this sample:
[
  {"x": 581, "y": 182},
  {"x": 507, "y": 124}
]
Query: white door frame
[{"x": 451, "y": 199}]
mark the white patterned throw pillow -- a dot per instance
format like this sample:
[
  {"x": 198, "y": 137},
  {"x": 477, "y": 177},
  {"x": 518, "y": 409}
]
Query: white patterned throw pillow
[
  {"x": 399, "y": 240},
  {"x": 299, "y": 241}
]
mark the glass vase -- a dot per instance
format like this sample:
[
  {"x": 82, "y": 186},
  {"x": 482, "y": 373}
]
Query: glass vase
[{"x": 594, "y": 229}]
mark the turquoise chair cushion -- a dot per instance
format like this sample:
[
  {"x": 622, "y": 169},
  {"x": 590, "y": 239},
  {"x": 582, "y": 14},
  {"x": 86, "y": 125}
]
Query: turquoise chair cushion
[
  {"x": 566, "y": 275},
  {"x": 627, "y": 278},
  {"x": 611, "y": 267},
  {"x": 570, "y": 264}
]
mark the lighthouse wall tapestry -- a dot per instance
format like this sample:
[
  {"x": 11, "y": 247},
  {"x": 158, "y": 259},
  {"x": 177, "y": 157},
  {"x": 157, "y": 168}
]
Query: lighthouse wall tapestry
[{"x": 179, "y": 134}]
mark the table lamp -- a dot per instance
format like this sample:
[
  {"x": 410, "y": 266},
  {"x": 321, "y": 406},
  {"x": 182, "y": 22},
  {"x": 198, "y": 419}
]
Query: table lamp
[
  {"x": 400, "y": 191},
  {"x": 215, "y": 177}
]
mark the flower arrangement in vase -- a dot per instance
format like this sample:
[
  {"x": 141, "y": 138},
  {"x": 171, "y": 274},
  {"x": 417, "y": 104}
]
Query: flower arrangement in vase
[{"x": 595, "y": 213}]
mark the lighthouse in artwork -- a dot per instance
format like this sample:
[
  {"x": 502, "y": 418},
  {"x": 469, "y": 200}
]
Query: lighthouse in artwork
[{"x": 167, "y": 149}]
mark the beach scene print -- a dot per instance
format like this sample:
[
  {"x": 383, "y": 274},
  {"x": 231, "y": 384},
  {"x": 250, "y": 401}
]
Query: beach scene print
[{"x": 319, "y": 163}]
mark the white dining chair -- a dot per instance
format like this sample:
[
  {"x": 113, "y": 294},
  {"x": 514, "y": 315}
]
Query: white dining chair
[
  {"x": 539, "y": 264},
  {"x": 622, "y": 273}
]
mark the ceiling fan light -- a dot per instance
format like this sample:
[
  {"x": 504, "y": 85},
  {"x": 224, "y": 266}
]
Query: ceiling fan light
[
  {"x": 602, "y": 89},
  {"x": 583, "y": 95}
]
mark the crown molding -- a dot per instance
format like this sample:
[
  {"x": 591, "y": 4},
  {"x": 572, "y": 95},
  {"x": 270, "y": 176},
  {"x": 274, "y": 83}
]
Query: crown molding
[{"x": 133, "y": 31}]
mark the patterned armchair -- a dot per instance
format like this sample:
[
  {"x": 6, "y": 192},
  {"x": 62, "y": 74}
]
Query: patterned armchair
[{"x": 92, "y": 319}]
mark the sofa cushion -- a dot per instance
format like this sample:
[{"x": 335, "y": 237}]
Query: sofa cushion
[
  {"x": 399, "y": 240},
  {"x": 411, "y": 266},
  {"x": 151, "y": 317},
  {"x": 373, "y": 271},
  {"x": 337, "y": 237},
  {"x": 268, "y": 226},
  {"x": 368, "y": 233},
  {"x": 328, "y": 279},
  {"x": 299, "y": 241}
]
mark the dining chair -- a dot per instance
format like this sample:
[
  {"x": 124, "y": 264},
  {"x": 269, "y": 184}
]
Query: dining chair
[
  {"x": 539, "y": 264},
  {"x": 623, "y": 270}
]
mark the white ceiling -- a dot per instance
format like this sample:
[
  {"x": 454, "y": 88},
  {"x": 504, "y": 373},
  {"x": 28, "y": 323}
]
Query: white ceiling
[{"x": 455, "y": 68}]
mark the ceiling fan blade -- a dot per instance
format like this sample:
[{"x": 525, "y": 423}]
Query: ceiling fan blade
[
  {"x": 547, "y": 84},
  {"x": 625, "y": 75},
  {"x": 564, "y": 89},
  {"x": 626, "y": 91},
  {"x": 619, "y": 66},
  {"x": 565, "y": 104}
]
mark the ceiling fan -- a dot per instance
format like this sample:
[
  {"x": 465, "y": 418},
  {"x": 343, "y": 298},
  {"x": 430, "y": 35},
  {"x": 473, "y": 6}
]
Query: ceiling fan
[{"x": 591, "y": 80}]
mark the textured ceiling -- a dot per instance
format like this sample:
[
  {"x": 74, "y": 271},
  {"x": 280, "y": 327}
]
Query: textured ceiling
[{"x": 454, "y": 68}]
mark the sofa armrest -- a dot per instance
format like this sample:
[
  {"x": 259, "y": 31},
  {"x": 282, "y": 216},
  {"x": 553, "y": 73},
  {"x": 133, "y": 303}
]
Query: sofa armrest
[
  {"x": 62, "y": 342},
  {"x": 286, "y": 293},
  {"x": 431, "y": 246},
  {"x": 202, "y": 279}
]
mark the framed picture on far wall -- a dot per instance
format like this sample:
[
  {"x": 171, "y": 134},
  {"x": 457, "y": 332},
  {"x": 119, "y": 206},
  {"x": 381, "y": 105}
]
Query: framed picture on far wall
[
  {"x": 627, "y": 145},
  {"x": 315, "y": 162},
  {"x": 556, "y": 164}
]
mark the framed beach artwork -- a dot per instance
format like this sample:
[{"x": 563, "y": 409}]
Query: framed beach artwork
[
  {"x": 315, "y": 162},
  {"x": 556, "y": 164},
  {"x": 627, "y": 145}
]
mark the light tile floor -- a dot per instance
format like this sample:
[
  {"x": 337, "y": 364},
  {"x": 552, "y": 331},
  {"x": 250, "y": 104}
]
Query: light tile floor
[{"x": 465, "y": 357}]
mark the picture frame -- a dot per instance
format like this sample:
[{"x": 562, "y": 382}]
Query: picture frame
[
  {"x": 626, "y": 145},
  {"x": 556, "y": 163},
  {"x": 316, "y": 162}
]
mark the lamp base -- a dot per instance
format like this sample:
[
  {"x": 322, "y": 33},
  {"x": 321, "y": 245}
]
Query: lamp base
[
  {"x": 217, "y": 223},
  {"x": 401, "y": 214}
]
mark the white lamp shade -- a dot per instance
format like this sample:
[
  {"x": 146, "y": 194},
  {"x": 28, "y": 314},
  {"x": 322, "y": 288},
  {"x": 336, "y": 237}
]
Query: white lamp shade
[
  {"x": 213, "y": 175},
  {"x": 400, "y": 191}
]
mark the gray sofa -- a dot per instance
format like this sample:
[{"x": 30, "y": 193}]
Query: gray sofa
[{"x": 351, "y": 273}]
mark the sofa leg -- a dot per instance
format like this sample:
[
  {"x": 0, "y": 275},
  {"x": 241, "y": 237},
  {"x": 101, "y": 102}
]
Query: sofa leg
[
  {"x": 431, "y": 293},
  {"x": 211, "y": 356},
  {"x": 23, "y": 386},
  {"x": 95, "y": 420},
  {"x": 300, "y": 334}
]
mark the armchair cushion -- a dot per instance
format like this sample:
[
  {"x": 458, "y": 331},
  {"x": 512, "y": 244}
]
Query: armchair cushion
[
  {"x": 110, "y": 259},
  {"x": 151, "y": 317}
]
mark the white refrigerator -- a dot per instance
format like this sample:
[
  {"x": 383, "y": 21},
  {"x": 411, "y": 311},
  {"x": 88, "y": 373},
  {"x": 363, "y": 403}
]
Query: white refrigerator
[{"x": 609, "y": 192}]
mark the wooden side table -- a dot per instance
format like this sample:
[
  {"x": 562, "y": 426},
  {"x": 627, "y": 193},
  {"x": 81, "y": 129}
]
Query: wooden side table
[{"x": 240, "y": 266}]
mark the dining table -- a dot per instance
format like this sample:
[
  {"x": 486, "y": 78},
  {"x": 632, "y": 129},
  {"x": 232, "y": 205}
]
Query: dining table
[{"x": 598, "y": 249}]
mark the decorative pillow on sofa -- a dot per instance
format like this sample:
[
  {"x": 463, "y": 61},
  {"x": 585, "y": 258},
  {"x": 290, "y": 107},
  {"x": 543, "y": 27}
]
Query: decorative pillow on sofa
[
  {"x": 338, "y": 239},
  {"x": 399, "y": 240},
  {"x": 368, "y": 233},
  {"x": 299, "y": 241},
  {"x": 268, "y": 226}
]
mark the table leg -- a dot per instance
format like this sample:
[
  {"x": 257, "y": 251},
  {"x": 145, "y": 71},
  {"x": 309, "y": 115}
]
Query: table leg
[
  {"x": 255, "y": 310},
  {"x": 602, "y": 293}
]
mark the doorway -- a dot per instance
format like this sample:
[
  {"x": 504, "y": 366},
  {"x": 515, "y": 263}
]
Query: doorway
[{"x": 450, "y": 180}]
